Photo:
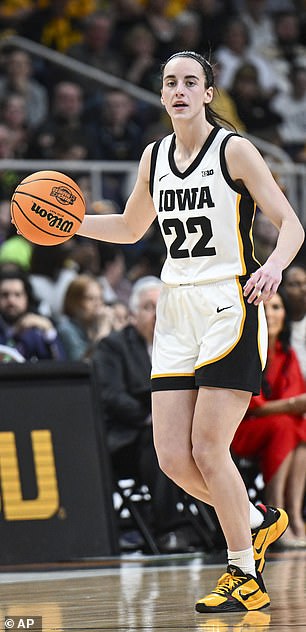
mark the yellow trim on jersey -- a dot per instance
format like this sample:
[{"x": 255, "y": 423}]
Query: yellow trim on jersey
[
  {"x": 172, "y": 375},
  {"x": 240, "y": 243},
  {"x": 251, "y": 236},
  {"x": 263, "y": 362},
  {"x": 225, "y": 353}
]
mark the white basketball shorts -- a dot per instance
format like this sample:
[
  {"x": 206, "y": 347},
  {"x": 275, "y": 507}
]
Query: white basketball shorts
[{"x": 208, "y": 335}]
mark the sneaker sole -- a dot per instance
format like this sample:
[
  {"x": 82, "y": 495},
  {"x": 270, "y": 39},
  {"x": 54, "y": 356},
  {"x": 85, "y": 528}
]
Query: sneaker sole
[
  {"x": 273, "y": 533},
  {"x": 230, "y": 607}
]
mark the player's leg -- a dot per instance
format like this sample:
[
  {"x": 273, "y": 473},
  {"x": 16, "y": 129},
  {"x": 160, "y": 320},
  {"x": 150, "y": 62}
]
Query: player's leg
[
  {"x": 218, "y": 413},
  {"x": 172, "y": 413}
]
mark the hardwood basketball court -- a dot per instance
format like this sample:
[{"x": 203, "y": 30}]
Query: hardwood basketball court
[{"x": 148, "y": 593}]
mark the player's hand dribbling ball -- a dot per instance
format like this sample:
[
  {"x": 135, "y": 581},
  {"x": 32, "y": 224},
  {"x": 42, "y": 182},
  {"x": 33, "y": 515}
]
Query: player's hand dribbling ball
[{"x": 47, "y": 208}]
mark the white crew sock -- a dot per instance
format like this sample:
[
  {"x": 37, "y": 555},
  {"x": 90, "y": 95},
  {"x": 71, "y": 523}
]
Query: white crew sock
[
  {"x": 243, "y": 559},
  {"x": 256, "y": 517}
]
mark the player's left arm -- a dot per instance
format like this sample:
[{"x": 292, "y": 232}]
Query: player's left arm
[{"x": 246, "y": 164}]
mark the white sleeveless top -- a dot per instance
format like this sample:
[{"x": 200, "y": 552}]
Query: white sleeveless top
[{"x": 205, "y": 217}]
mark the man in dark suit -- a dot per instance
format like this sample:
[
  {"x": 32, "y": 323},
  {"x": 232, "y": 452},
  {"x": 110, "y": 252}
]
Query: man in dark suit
[{"x": 122, "y": 364}]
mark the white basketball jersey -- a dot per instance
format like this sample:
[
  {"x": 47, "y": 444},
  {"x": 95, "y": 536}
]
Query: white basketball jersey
[{"x": 205, "y": 217}]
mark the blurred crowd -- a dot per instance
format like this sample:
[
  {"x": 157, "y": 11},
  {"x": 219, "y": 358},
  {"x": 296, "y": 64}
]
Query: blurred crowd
[
  {"x": 60, "y": 303},
  {"x": 257, "y": 48}
]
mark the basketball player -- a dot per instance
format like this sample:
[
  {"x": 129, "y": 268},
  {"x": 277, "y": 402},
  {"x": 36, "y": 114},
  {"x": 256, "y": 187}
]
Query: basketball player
[{"x": 204, "y": 183}]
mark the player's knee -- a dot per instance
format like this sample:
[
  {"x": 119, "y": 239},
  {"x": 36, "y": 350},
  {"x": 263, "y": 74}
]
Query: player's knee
[
  {"x": 207, "y": 457},
  {"x": 173, "y": 465}
]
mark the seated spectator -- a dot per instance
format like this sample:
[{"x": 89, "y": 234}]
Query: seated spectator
[
  {"x": 85, "y": 320},
  {"x": 235, "y": 51},
  {"x": 291, "y": 106},
  {"x": 287, "y": 50},
  {"x": 212, "y": 15},
  {"x": 66, "y": 119},
  {"x": 122, "y": 364},
  {"x": 51, "y": 271},
  {"x": 13, "y": 112},
  {"x": 21, "y": 327},
  {"x": 259, "y": 22},
  {"x": 141, "y": 65},
  {"x": 274, "y": 430},
  {"x": 253, "y": 105},
  {"x": 56, "y": 24},
  {"x": 294, "y": 285},
  {"x": 113, "y": 276},
  {"x": 97, "y": 50},
  {"x": 18, "y": 79}
]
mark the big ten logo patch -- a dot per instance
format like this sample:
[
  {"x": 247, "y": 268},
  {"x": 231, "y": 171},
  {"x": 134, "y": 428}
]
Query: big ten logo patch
[{"x": 13, "y": 505}]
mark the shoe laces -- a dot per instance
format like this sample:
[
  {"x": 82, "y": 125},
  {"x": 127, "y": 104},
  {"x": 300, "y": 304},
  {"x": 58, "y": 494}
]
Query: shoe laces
[{"x": 227, "y": 583}]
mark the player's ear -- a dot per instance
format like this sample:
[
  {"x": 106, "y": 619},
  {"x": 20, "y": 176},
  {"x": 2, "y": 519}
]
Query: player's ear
[{"x": 209, "y": 95}]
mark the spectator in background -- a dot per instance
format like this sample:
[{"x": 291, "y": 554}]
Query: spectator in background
[
  {"x": 66, "y": 120},
  {"x": 260, "y": 25},
  {"x": 96, "y": 49},
  {"x": 13, "y": 111},
  {"x": 291, "y": 107},
  {"x": 117, "y": 137},
  {"x": 294, "y": 285},
  {"x": 235, "y": 51},
  {"x": 140, "y": 64},
  {"x": 274, "y": 430},
  {"x": 113, "y": 278},
  {"x": 224, "y": 105},
  {"x": 51, "y": 271},
  {"x": 56, "y": 24},
  {"x": 212, "y": 15},
  {"x": 253, "y": 105},
  {"x": 85, "y": 320},
  {"x": 8, "y": 178},
  {"x": 18, "y": 79},
  {"x": 13, "y": 14},
  {"x": 122, "y": 364},
  {"x": 21, "y": 327},
  {"x": 287, "y": 50},
  {"x": 188, "y": 34}
]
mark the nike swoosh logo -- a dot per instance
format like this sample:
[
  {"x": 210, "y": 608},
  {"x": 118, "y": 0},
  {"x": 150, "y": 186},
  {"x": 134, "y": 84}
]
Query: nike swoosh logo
[
  {"x": 161, "y": 177},
  {"x": 248, "y": 595},
  {"x": 220, "y": 309},
  {"x": 259, "y": 549}
]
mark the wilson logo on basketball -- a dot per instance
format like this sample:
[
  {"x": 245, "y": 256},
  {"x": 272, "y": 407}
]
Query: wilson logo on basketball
[
  {"x": 63, "y": 225},
  {"x": 63, "y": 195}
]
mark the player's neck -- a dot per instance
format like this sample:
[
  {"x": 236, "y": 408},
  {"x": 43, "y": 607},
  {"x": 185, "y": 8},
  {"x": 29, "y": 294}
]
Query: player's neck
[{"x": 191, "y": 138}]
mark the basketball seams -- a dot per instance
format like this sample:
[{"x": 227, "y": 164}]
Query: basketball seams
[
  {"x": 30, "y": 222},
  {"x": 24, "y": 182},
  {"x": 44, "y": 201}
]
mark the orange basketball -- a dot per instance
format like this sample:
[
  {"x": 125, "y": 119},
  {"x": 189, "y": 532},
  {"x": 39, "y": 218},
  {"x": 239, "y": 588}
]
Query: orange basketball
[{"x": 47, "y": 207}]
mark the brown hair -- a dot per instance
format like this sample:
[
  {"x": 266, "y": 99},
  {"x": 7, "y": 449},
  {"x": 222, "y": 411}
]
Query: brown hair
[
  {"x": 212, "y": 117},
  {"x": 75, "y": 293}
]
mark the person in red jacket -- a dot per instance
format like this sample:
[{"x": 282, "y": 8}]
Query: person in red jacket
[{"x": 274, "y": 429}]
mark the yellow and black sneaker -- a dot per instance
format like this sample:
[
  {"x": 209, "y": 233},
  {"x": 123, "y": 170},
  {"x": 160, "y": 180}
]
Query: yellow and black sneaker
[
  {"x": 274, "y": 525},
  {"x": 234, "y": 592}
]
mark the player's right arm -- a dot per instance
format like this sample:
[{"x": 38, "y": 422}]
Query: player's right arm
[{"x": 138, "y": 215}]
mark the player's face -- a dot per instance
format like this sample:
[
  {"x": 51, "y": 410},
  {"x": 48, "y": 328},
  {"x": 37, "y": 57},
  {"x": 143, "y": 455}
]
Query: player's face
[
  {"x": 13, "y": 299},
  {"x": 275, "y": 314},
  {"x": 184, "y": 91}
]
